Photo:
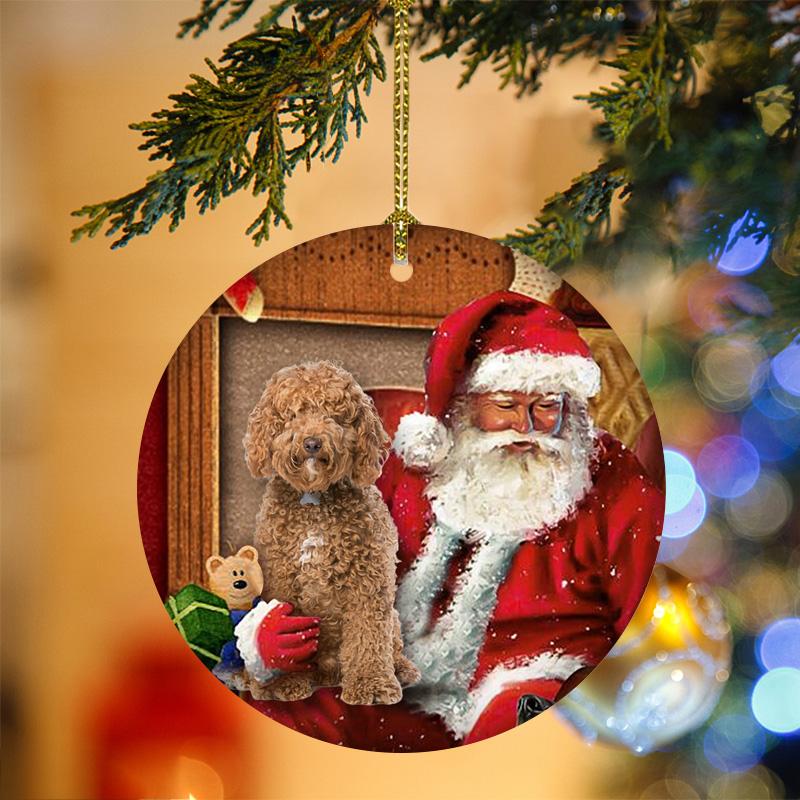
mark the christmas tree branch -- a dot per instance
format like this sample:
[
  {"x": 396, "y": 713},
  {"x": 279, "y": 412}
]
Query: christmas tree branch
[
  {"x": 657, "y": 67},
  {"x": 279, "y": 97},
  {"x": 210, "y": 8},
  {"x": 571, "y": 218},
  {"x": 518, "y": 39}
]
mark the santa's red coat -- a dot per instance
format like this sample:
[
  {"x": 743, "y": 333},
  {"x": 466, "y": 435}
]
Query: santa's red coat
[{"x": 567, "y": 595}]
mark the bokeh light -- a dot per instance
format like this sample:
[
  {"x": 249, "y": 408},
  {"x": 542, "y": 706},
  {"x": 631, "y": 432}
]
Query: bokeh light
[
  {"x": 770, "y": 405},
  {"x": 742, "y": 254},
  {"x": 680, "y": 480},
  {"x": 670, "y": 550},
  {"x": 786, "y": 368},
  {"x": 776, "y": 700},
  {"x": 711, "y": 297},
  {"x": 695, "y": 423},
  {"x": 774, "y": 439},
  {"x": 725, "y": 368},
  {"x": 728, "y": 466},
  {"x": 790, "y": 402},
  {"x": 764, "y": 593},
  {"x": 758, "y": 783},
  {"x": 704, "y": 554},
  {"x": 653, "y": 364},
  {"x": 763, "y": 510},
  {"x": 669, "y": 789},
  {"x": 688, "y": 519},
  {"x": 779, "y": 644},
  {"x": 734, "y": 743}
]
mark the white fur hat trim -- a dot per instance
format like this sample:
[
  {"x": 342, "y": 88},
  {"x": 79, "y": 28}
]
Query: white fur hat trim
[
  {"x": 531, "y": 372},
  {"x": 421, "y": 440},
  {"x": 246, "y": 633}
]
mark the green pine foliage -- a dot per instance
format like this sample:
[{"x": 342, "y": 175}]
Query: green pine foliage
[
  {"x": 279, "y": 97},
  {"x": 572, "y": 218},
  {"x": 657, "y": 67},
  {"x": 518, "y": 39},
  {"x": 686, "y": 162}
]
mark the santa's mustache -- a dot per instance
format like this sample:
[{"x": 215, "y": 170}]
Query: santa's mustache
[{"x": 487, "y": 441}]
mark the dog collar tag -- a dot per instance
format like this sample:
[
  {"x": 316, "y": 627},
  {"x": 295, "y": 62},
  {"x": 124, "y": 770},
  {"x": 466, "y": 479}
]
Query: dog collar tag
[{"x": 310, "y": 499}]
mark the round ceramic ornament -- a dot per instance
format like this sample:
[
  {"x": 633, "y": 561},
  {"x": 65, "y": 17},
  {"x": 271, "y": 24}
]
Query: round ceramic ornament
[{"x": 401, "y": 516}]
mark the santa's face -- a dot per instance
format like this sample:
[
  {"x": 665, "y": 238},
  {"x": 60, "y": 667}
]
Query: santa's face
[
  {"x": 517, "y": 411},
  {"x": 519, "y": 463}
]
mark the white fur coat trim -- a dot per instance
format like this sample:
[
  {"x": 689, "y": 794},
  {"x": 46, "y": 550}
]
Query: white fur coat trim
[
  {"x": 246, "y": 642},
  {"x": 424, "y": 580},
  {"x": 461, "y": 708},
  {"x": 448, "y": 654},
  {"x": 531, "y": 372},
  {"x": 421, "y": 440}
]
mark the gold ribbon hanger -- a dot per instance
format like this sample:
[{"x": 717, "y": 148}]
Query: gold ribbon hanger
[{"x": 401, "y": 218}]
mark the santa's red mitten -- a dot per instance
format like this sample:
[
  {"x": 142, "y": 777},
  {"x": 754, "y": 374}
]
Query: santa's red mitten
[{"x": 270, "y": 640}]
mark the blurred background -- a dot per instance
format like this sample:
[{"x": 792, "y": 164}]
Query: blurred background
[{"x": 100, "y": 697}]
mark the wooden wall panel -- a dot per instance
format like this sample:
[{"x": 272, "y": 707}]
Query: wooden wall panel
[
  {"x": 344, "y": 277},
  {"x": 193, "y": 454}
]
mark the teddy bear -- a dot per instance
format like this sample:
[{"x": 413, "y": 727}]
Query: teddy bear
[{"x": 239, "y": 581}]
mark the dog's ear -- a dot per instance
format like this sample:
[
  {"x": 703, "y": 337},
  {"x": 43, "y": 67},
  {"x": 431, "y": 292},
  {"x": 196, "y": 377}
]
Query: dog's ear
[
  {"x": 372, "y": 444},
  {"x": 257, "y": 440}
]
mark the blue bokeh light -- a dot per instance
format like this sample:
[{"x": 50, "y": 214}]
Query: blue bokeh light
[
  {"x": 670, "y": 549},
  {"x": 776, "y": 700},
  {"x": 742, "y": 254},
  {"x": 680, "y": 480},
  {"x": 771, "y": 406},
  {"x": 779, "y": 644},
  {"x": 773, "y": 438},
  {"x": 734, "y": 743},
  {"x": 728, "y": 466},
  {"x": 786, "y": 368},
  {"x": 688, "y": 519}
]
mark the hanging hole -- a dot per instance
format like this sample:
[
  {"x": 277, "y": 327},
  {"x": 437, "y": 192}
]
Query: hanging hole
[{"x": 401, "y": 271}]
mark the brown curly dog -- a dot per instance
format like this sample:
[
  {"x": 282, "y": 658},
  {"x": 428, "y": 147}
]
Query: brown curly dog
[{"x": 327, "y": 542}]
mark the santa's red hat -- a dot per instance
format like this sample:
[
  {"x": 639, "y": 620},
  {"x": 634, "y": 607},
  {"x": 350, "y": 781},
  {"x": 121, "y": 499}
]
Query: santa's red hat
[{"x": 502, "y": 342}]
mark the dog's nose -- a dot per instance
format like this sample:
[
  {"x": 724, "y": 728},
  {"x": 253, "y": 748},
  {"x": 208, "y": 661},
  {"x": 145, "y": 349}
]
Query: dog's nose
[
  {"x": 240, "y": 584},
  {"x": 312, "y": 445}
]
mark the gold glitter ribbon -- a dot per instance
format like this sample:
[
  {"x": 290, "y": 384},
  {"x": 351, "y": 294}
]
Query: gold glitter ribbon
[{"x": 401, "y": 218}]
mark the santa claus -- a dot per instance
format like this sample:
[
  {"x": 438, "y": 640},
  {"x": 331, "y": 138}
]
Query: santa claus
[{"x": 527, "y": 536}]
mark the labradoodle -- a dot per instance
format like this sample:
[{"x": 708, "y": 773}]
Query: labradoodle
[{"x": 327, "y": 541}]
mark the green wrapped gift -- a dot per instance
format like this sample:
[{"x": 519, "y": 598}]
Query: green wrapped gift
[{"x": 203, "y": 620}]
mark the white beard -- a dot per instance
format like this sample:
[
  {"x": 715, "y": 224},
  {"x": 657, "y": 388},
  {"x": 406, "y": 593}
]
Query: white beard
[
  {"x": 498, "y": 498},
  {"x": 483, "y": 488}
]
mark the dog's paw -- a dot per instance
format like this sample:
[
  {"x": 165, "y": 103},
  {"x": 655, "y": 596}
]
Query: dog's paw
[
  {"x": 293, "y": 686},
  {"x": 372, "y": 690},
  {"x": 406, "y": 671},
  {"x": 260, "y": 691},
  {"x": 238, "y": 680}
]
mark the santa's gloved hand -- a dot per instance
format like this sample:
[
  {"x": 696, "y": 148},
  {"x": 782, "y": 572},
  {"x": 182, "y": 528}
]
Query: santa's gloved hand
[{"x": 285, "y": 642}]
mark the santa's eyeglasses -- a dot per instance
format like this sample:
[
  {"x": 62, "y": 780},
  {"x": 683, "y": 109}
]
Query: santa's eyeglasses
[{"x": 527, "y": 413}]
